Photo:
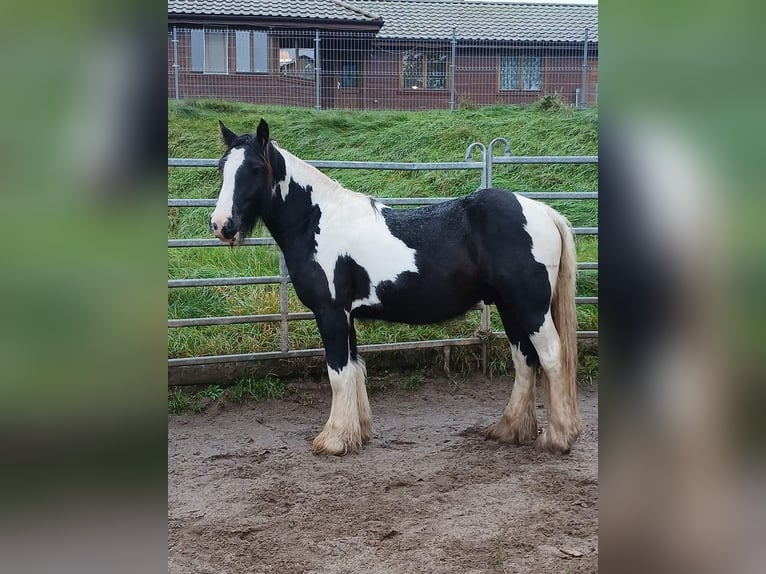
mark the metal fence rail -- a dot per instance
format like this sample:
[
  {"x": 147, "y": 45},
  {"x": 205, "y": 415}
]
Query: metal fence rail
[{"x": 484, "y": 332}]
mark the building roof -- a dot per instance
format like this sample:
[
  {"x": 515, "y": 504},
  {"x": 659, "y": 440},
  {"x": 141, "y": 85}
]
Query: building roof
[
  {"x": 282, "y": 9},
  {"x": 417, "y": 19},
  {"x": 435, "y": 19}
]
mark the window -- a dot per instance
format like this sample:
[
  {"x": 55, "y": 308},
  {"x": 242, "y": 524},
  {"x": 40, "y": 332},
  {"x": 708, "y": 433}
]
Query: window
[
  {"x": 296, "y": 60},
  {"x": 209, "y": 50},
  {"x": 349, "y": 75},
  {"x": 252, "y": 52},
  {"x": 521, "y": 72},
  {"x": 424, "y": 70}
]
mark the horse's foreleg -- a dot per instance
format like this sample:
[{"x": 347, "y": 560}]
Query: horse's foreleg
[
  {"x": 348, "y": 426},
  {"x": 518, "y": 423}
]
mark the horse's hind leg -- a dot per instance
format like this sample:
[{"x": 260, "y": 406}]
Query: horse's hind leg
[
  {"x": 348, "y": 426},
  {"x": 518, "y": 423},
  {"x": 564, "y": 424}
]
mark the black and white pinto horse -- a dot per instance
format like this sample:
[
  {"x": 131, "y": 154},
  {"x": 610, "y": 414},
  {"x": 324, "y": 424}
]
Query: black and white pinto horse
[{"x": 349, "y": 257}]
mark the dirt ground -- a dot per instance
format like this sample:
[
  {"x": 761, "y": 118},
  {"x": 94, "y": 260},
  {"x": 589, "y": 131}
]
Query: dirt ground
[{"x": 428, "y": 494}]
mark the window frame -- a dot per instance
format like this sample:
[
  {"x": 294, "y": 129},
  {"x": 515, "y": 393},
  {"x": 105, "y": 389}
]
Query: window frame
[
  {"x": 521, "y": 54},
  {"x": 297, "y": 44},
  {"x": 205, "y": 30},
  {"x": 426, "y": 51},
  {"x": 253, "y": 54}
]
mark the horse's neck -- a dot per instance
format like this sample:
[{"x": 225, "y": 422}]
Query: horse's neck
[
  {"x": 302, "y": 190},
  {"x": 324, "y": 190}
]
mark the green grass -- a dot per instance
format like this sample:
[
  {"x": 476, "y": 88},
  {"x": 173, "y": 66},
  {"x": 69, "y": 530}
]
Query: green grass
[
  {"x": 383, "y": 136},
  {"x": 244, "y": 390}
]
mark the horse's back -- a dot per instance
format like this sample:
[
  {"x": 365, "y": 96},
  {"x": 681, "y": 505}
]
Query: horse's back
[{"x": 511, "y": 227}]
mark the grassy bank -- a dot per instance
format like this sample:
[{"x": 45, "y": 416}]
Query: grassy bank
[{"x": 380, "y": 136}]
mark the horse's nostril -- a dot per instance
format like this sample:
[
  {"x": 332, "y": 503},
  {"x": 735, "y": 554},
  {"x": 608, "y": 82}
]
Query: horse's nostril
[
  {"x": 228, "y": 230},
  {"x": 213, "y": 226}
]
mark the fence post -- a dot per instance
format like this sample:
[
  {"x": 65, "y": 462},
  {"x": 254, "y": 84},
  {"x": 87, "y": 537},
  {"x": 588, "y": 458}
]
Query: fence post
[
  {"x": 452, "y": 71},
  {"x": 584, "y": 87},
  {"x": 489, "y": 157},
  {"x": 175, "y": 62},
  {"x": 284, "y": 344},
  {"x": 317, "y": 71},
  {"x": 469, "y": 157},
  {"x": 485, "y": 332}
]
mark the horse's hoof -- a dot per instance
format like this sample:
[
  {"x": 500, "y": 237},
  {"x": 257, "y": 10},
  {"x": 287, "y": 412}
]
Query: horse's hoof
[
  {"x": 546, "y": 443},
  {"x": 518, "y": 431},
  {"x": 333, "y": 444}
]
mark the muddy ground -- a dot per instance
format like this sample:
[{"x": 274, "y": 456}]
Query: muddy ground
[{"x": 428, "y": 494}]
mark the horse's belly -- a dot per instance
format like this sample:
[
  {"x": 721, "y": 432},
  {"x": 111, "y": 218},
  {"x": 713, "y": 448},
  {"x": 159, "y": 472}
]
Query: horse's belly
[{"x": 419, "y": 306}]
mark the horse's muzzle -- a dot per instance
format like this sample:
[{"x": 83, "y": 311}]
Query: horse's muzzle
[{"x": 225, "y": 232}]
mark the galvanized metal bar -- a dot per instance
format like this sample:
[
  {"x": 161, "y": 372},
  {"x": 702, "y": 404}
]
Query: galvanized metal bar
[
  {"x": 488, "y": 167},
  {"x": 238, "y": 320},
  {"x": 529, "y": 194},
  {"x": 299, "y": 353},
  {"x": 176, "y": 243},
  {"x": 283, "y": 317},
  {"x": 407, "y": 166},
  {"x": 175, "y": 63},
  {"x": 376, "y": 348},
  {"x": 584, "y": 90},
  {"x": 191, "y": 202},
  {"x": 268, "y": 280},
  {"x": 587, "y": 266},
  {"x": 402, "y": 166},
  {"x": 332, "y": 164},
  {"x": 191, "y": 162},
  {"x": 546, "y": 159},
  {"x": 224, "y": 281},
  {"x": 452, "y": 71},
  {"x": 284, "y": 312},
  {"x": 469, "y": 154},
  {"x": 490, "y": 156},
  {"x": 417, "y": 200},
  {"x": 317, "y": 71},
  {"x": 485, "y": 328},
  {"x": 559, "y": 194},
  {"x": 580, "y": 335}
]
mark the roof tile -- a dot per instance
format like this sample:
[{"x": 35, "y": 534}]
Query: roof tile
[
  {"x": 423, "y": 19},
  {"x": 435, "y": 19},
  {"x": 324, "y": 9}
]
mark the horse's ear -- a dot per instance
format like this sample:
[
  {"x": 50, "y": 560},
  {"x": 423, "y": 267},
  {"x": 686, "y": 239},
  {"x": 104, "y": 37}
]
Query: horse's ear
[
  {"x": 228, "y": 135},
  {"x": 263, "y": 132}
]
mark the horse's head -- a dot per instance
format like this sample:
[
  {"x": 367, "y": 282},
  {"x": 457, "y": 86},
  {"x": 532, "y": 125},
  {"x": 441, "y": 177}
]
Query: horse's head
[{"x": 248, "y": 180}]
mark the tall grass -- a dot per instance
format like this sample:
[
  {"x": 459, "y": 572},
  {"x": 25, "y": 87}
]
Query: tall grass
[{"x": 381, "y": 136}]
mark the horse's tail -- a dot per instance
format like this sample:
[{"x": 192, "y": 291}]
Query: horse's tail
[{"x": 563, "y": 308}]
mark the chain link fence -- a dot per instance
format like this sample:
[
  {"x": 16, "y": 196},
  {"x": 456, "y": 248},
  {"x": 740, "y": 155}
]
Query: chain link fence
[{"x": 358, "y": 71}]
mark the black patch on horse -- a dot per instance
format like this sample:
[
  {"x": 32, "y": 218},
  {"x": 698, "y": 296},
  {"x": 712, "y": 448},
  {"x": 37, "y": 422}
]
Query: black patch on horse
[{"x": 352, "y": 282}]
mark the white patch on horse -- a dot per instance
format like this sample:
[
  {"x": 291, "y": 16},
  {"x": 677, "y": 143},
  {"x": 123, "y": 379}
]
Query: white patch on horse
[
  {"x": 225, "y": 203},
  {"x": 344, "y": 431},
  {"x": 350, "y": 226},
  {"x": 546, "y": 239}
]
